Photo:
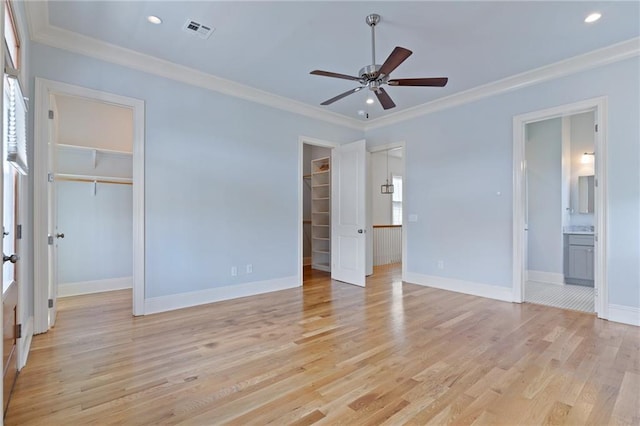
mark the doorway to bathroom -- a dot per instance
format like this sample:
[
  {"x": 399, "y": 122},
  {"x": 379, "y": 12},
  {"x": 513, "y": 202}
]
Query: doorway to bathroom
[{"x": 559, "y": 210}]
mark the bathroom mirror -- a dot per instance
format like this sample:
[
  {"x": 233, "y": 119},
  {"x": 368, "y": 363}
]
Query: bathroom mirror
[{"x": 585, "y": 194}]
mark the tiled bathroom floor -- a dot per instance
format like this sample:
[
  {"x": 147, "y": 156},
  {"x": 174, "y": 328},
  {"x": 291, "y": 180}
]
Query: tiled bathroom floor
[{"x": 566, "y": 296}]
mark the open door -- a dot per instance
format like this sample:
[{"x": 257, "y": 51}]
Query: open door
[
  {"x": 52, "y": 227},
  {"x": 349, "y": 213}
]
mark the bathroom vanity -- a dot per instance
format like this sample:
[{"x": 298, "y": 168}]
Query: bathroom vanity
[{"x": 578, "y": 258}]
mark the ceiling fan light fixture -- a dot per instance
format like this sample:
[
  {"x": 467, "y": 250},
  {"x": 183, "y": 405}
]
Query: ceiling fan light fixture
[{"x": 592, "y": 17}]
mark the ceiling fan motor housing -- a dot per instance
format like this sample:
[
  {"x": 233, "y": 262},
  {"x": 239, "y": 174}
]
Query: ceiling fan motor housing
[{"x": 369, "y": 72}]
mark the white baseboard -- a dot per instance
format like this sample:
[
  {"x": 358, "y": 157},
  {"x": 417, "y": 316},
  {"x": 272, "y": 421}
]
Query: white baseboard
[
  {"x": 460, "y": 286},
  {"x": 624, "y": 314},
  {"x": 307, "y": 261},
  {"x": 545, "y": 277},
  {"x": 25, "y": 342},
  {"x": 184, "y": 300},
  {"x": 98, "y": 286}
]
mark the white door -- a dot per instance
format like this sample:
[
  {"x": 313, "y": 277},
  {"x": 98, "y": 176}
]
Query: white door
[
  {"x": 348, "y": 213},
  {"x": 52, "y": 228}
]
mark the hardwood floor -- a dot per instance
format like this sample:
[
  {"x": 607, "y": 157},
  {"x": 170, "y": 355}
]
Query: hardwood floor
[{"x": 330, "y": 353}]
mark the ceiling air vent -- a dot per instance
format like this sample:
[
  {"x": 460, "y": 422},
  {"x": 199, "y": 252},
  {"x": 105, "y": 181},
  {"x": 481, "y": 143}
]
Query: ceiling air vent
[{"x": 198, "y": 29}]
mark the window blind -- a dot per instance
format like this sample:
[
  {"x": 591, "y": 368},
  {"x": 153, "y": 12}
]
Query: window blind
[{"x": 15, "y": 125}]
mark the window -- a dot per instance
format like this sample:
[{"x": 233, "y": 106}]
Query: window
[
  {"x": 15, "y": 129},
  {"x": 396, "y": 200},
  {"x": 11, "y": 37}
]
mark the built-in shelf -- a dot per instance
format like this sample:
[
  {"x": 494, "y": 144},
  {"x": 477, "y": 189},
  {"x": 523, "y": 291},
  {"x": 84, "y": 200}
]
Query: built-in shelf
[{"x": 320, "y": 216}]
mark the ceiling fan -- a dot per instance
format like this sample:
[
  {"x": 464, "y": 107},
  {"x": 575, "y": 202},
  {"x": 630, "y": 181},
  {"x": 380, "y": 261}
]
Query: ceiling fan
[{"x": 374, "y": 76}]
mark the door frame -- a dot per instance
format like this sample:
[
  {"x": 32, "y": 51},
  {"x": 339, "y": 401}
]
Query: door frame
[
  {"x": 302, "y": 140},
  {"x": 389, "y": 146},
  {"x": 599, "y": 106},
  {"x": 43, "y": 90}
]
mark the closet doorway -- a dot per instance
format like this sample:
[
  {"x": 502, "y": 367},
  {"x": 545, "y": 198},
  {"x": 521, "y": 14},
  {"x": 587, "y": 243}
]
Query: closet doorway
[
  {"x": 316, "y": 210},
  {"x": 96, "y": 166},
  {"x": 93, "y": 195}
]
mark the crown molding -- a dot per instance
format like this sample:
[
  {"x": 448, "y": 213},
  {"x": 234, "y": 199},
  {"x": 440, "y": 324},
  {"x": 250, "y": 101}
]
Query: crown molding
[
  {"x": 41, "y": 32},
  {"x": 606, "y": 55}
]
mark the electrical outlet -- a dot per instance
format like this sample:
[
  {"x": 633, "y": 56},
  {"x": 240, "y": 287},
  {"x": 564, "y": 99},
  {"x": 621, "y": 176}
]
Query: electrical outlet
[
  {"x": 249, "y": 268},
  {"x": 234, "y": 271},
  {"x": 440, "y": 264}
]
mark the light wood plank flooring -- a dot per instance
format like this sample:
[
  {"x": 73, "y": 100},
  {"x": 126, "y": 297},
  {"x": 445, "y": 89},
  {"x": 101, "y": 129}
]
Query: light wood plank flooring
[{"x": 330, "y": 353}]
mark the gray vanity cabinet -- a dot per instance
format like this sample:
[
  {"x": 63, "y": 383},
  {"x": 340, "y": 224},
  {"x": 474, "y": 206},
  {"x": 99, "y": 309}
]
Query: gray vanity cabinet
[{"x": 578, "y": 259}]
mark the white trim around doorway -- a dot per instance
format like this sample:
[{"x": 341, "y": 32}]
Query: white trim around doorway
[
  {"x": 599, "y": 105},
  {"x": 43, "y": 91}
]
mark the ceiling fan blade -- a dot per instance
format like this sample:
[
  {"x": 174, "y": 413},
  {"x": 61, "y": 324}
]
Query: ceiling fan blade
[
  {"x": 434, "y": 82},
  {"x": 385, "y": 99},
  {"x": 398, "y": 56},
  {"x": 334, "y": 74},
  {"x": 341, "y": 95}
]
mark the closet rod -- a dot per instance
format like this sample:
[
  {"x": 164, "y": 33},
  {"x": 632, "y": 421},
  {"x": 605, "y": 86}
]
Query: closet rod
[{"x": 90, "y": 179}]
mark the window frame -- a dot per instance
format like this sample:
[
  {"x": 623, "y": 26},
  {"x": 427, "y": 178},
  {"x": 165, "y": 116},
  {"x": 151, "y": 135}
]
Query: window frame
[
  {"x": 397, "y": 193},
  {"x": 10, "y": 17}
]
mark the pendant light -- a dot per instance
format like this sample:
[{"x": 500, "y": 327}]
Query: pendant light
[{"x": 387, "y": 188}]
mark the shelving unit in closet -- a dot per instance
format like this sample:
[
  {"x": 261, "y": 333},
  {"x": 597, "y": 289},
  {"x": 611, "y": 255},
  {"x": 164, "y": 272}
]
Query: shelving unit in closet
[{"x": 321, "y": 214}]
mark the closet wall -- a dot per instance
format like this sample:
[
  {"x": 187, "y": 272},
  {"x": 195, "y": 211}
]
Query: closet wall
[{"x": 94, "y": 197}]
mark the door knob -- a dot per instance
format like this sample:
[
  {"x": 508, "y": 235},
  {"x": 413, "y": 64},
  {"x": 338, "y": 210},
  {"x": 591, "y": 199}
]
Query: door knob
[
  {"x": 360, "y": 231},
  {"x": 13, "y": 258},
  {"x": 60, "y": 235}
]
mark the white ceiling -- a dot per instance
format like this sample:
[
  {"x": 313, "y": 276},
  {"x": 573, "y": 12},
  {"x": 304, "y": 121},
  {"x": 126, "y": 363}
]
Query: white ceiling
[{"x": 272, "y": 46}]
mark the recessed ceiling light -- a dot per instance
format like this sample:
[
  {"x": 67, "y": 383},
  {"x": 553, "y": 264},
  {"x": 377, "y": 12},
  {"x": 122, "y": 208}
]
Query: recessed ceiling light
[
  {"x": 154, "y": 19},
  {"x": 369, "y": 101},
  {"x": 593, "y": 17}
]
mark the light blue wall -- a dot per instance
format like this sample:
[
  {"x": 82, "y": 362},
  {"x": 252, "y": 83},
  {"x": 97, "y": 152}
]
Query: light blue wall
[
  {"x": 221, "y": 175},
  {"x": 459, "y": 158},
  {"x": 98, "y": 231},
  {"x": 543, "y": 148}
]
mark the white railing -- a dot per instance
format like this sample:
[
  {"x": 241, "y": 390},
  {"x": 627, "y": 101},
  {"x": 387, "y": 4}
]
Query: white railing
[{"x": 387, "y": 244}]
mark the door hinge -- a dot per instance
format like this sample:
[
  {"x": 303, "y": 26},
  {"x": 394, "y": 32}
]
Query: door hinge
[
  {"x": 18, "y": 232},
  {"x": 595, "y": 182},
  {"x": 50, "y": 240},
  {"x": 49, "y": 177},
  {"x": 51, "y": 303},
  {"x": 596, "y": 127},
  {"x": 18, "y": 331},
  {"x": 51, "y": 114}
]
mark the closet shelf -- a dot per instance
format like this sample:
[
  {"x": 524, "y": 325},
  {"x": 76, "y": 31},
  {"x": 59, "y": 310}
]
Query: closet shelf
[{"x": 320, "y": 207}]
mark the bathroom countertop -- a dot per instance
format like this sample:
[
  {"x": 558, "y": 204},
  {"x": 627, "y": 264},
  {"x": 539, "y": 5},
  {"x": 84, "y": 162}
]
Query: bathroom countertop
[{"x": 578, "y": 230}]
